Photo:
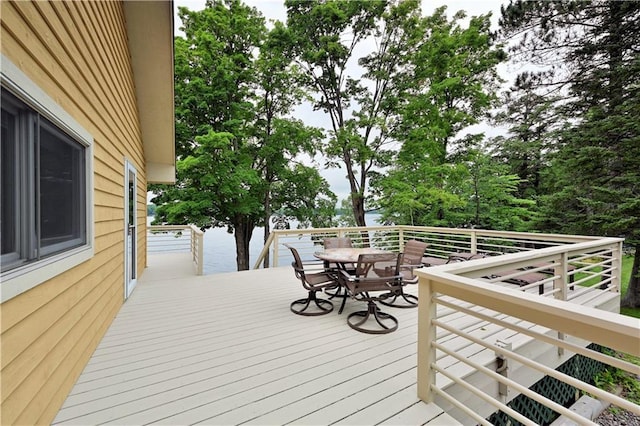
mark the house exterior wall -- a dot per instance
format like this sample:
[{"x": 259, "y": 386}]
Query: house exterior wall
[{"x": 77, "y": 53}]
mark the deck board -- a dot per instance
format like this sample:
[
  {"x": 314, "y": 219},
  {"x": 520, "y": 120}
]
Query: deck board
[{"x": 225, "y": 349}]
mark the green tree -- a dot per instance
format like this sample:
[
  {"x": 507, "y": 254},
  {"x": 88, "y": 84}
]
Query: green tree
[
  {"x": 450, "y": 86},
  {"x": 328, "y": 36},
  {"x": 235, "y": 148},
  {"x": 531, "y": 123},
  {"x": 279, "y": 140},
  {"x": 492, "y": 195},
  {"x": 590, "y": 51}
]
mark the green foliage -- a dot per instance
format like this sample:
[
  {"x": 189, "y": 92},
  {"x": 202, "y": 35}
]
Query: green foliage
[
  {"x": 327, "y": 35},
  {"x": 618, "y": 381},
  {"x": 237, "y": 150},
  {"x": 590, "y": 57},
  {"x": 450, "y": 86},
  {"x": 491, "y": 193},
  {"x": 531, "y": 121}
]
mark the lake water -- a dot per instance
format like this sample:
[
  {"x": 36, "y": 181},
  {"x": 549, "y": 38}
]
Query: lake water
[{"x": 220, "y": 248}]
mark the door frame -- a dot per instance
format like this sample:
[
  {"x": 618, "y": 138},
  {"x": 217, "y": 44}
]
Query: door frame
[{"x": 130, "y": 245}]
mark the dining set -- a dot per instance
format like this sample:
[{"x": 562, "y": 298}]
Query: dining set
[{"x": 369, "y": 275}]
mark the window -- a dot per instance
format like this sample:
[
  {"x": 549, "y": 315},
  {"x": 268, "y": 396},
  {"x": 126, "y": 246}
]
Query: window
[
  {"x": 46, "y": 211},
  {"x": 43, "y": 187}
]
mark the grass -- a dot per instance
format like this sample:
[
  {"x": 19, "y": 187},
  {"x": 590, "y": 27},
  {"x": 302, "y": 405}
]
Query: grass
[
  {"x": 613, "y": 379},
  {"x": 627, "y": 263},
  {"x": 619, "y": 381}
]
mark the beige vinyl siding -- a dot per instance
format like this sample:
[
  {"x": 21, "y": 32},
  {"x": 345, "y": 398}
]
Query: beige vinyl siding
[{"x": 77, "y": 53}]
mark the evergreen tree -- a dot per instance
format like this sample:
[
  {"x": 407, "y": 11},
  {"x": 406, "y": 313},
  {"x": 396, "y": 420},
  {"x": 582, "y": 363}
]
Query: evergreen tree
[
  {"x": 590, "y": 51},
  {"x": 531, "y": 121}
]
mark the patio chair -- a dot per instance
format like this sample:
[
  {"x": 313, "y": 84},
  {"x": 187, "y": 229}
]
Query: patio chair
[
  {"x": 464, "y": 256},
  {"x": 338, "y": 242},
  {"x": 367, "y": 286},
  {"x": 551, "y": 271},
  {"x": 411, "y": 259},
  {"x": 314, "y": 278},
  {"x": 523, "y": 279},
  {"x": 434, "y": 261}
]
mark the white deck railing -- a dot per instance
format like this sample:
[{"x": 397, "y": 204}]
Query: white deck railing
[
  {"x": 554, "y": 328},
  {"x": 589, "y": 269},
  {"x": 551, "y": 326},
  {"x": 177, "y": 239}
]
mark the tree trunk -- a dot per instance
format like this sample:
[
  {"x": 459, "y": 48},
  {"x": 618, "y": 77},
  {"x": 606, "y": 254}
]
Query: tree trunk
[
  {"x": 357, "y": 203},
  {"x": 243, "y": 229},
  {"x": 632, "y": 298},
  {"x": 267, "y": 226}
]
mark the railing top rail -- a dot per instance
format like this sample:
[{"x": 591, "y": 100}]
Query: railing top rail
[
  {"x": 170, "y": 227},
  {"x": 438, "y": 230},
  {"x": 543, "y": 254},
  {"x": 196, "y": 230},
  {"x": 610, "y": 329}
]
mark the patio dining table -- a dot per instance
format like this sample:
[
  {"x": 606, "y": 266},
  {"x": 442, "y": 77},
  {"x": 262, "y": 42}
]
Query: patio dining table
[{"x": 345, "y": 255}]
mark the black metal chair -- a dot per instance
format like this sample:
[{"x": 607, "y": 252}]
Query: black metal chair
[
  {"x": 411, "y": 259},
  {"x": 367, "y": 286},
  {"x": 314, "y": 278}
]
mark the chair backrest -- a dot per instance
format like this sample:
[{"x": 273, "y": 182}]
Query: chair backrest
[
  {"x": 367, "y": 261},
  {"x": 337, "y": 242},
  {"x": 413, "y": 252},
  {"x": 368, "y": 280},
  {"x": 297, "y": 262}
]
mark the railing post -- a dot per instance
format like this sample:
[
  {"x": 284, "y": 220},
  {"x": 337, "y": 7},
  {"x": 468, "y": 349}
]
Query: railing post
[
  {"x": 474, "y": 242},
  {"x": 400, "y": 239},
  {"x": 616, "y": 262},
  {"x": 426, "y": 335},
  {"x": 275, "y": 253},
  {"x": 200, "y": 236},
  {"x": 561, "y": 269}
]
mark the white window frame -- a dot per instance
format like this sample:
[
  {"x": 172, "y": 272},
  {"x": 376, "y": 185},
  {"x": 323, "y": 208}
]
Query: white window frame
[{"x": 16, "y": 281}]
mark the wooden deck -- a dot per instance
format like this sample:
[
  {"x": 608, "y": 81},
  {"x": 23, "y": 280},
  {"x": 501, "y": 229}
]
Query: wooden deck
[{"x": 225, "y": 349}]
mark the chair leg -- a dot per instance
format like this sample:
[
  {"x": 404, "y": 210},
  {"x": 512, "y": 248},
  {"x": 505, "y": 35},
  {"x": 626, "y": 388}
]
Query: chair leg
[
  {"x": 410, "y": 301},
  {"x": 387, "y": 323},
  {"x": 339, "y": 292},
  {"x": 323, "y": 305}
]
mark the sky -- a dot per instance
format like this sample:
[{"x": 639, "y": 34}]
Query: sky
[{"x": 275, "y": 10}]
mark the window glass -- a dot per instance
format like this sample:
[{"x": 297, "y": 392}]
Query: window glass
[
  {"x": 62, "y": 188},
  {"x": 8, "y": 187},
  {"x": 44, "y": 188}
]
